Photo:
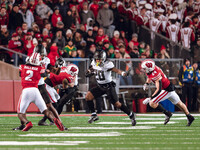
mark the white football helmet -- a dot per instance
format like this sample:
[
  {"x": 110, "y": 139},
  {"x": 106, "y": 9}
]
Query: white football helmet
[
  {"x": 72, "y": 69},
  {"x": 148, "y": 65},
  {"x": 35, "y": 59}
]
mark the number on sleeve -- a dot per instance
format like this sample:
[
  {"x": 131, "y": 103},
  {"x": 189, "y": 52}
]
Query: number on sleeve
[{"x": 29, "y": 75}]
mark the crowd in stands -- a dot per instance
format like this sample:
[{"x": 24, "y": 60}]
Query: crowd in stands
[{"x": 77, "y": 28}]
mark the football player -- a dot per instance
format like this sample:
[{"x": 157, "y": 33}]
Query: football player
[
  {"x": 45, "y": 62},
  {"x": 102, "y": 69},
  {"x": 164, "y": 90},
  {"x": 30, "y": 75}
]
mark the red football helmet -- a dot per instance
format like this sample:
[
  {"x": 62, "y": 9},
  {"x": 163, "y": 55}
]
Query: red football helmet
[{"x": 148, "y": 65}]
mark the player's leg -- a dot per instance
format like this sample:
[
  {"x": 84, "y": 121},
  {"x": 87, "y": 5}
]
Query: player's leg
[
  {"x": 93, "y": 93},
  {"x": 155, "y": 103},
  {"x": 112, "y": 95},
  {"x": 174, "y": 98},
  {"x": 25, "y": 99},
  {"x": 39, "y": 102},
  {"x": 69, "y": 93}
]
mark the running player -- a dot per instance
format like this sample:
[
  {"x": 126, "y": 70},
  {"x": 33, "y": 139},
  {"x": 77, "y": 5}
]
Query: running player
[
  {"x": 164, "y": 90},
  {"x": 30, "y": 76},
  {"x": 102, "y": 68}
]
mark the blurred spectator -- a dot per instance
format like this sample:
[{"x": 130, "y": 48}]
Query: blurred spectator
[
  {"x": 35, "y": 28},
  {"x": 163, "y": 53},
  {"x": 91, "y": 51},
  {"x": 69, "y": 35},
  {"x": 15, "y": 19},
  {"x": 123, "y": 37},
  {"x": 68, "y": 49},
  {"x": 100, "y": 35},
  {"x": 16, "y": 45},
  {"x": 114, "y": 9},
  {"x": 4, "y": 36},
  {"x": 94, "y": 7},
  {"x": 4, "y": 17},
  {"x": 45, "y": 34},
  {"x": 26, "y": 14},
  {"x": 186, "y": 78},
  {"x": 63, "y": 7},
  {"x": 75, "y": 16},
  {"x": 43, "y": 12},
  {"x": 115, "y": 38},
  {"x": 89, "y": 38},
  {"x": 117, "y": 54},
  {"x": 187, "y": 35},
  {"x": 69, "y": 20},
  {"x": 111, "y": 52},
  {"x": 142, "y": 19},
  {"x": 28, "y": 44},
  {"x": 134, "y": 53},
  {"x": 196, "y": 51},
  {"x": 89, "y": 25},
  {"x": 53, "y": 54},
  {"x": 59, "y": 40},
  {"x": 77, "y": 39},
  {"x": 134, "y": 41},
  {"x": 196, "y": 86},
  {"x": 85, "y": 13},
  {"x": 56, "y": 16},
  {"x": 149, "y": 52},
  {"x": 105, "y": 19},
  {"x": 106, "y": 44},
  {"x": 173, "y": 30},
  {"x": 24, "y": 27}
]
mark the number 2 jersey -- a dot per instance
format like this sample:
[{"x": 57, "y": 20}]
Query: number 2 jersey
[
  {"x": 30, "y": 75},
  {"x": 158, "y": 74},
  {"x": 103, "y": 72}
]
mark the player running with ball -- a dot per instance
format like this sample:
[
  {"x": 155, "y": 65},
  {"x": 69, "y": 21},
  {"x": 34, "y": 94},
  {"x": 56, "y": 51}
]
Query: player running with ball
[{"x": 164, "y": 90}]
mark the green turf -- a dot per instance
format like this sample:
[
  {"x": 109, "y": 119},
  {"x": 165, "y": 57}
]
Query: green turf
[{"x": 171, "y": 136}]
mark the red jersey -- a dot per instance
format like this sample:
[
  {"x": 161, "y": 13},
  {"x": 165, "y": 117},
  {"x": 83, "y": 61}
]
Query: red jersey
[
  {"x": 57, "y": 79},
  {"x": 158, "y": 74},
  {"x": 30, "y": 75}
]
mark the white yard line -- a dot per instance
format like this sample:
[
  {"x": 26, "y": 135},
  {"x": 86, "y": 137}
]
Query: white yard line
[
  {"x": 157, "y": 122},
  {"x": 173, "y": 118},
  {"x": 75, "y": 134},
  {"x": 113, "y": 128}
]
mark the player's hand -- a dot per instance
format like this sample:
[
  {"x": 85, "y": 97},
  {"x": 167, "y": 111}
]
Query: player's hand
[
  {"x": 90, "y": 72},
  {"x": 146, "y": 101},
  {"x": 145, "y": 87}
]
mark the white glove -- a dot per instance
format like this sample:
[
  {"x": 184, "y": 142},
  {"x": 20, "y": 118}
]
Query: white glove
[
  {"x": 145, "y": 87},
  {"x": 146, "y": 101}
]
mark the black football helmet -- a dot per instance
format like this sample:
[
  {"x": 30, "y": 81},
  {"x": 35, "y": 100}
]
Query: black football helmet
[
  {"x": 41, "y": 50},
  {"x": 100, "y": 55}
]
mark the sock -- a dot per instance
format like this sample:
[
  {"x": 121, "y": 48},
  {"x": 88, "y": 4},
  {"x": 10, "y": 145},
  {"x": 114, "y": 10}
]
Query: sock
[
  {"x": 91, "y": 106},
  {"x": 44, "y": 118},
  {"x": 162, "y": 109},
  {"x": 125, "y": 109},
  {"x": 188, "y": 116}
]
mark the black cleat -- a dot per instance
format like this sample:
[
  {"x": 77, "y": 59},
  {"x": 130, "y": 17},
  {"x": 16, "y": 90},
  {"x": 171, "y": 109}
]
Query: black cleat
[
  {"x": 51, "y": 123},
  {"x": 190, "y": 120},
  {"x": 21, "y": 127},
  {"x": 167, "y": 118},
  {"x": 93, "y": 118},
  {"x": 133, "y": 121},
  {"x": 42, "y": 123}
]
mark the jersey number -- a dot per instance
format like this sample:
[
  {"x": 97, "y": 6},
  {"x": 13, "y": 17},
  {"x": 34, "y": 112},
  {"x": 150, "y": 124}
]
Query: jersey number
[
  {"x": 29, "y": 76},
  {"x": 100, "y": 75}
]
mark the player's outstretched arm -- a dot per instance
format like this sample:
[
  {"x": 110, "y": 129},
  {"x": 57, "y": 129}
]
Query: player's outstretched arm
[
  {"x": 120, "y": 72},
  {"x": 158, "y": 84}
]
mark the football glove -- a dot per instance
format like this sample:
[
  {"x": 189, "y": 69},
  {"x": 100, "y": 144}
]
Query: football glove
[
  {"x": 126, "y": 73},
  {"x": 90, "y": 72},
  {"x": 145, "y": 86},
  {"x": 146, "y": 101}
]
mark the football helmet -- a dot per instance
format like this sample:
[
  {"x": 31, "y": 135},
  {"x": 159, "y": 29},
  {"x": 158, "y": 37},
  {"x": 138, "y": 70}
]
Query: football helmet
[
  {"x": 35, "y": 59},
  {"x": 148, "y": 65},
  {"x": 72, "y": 69},
  {"x": 60, "y": 62},
  {"x": 40, "y": 49},
  {"x": 101, "y": 56}
]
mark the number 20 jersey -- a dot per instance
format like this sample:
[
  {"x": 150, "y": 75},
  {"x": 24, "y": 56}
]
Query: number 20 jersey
[
  {"x": 30, "y": 75},
  {"x": 103, "y": 72}
]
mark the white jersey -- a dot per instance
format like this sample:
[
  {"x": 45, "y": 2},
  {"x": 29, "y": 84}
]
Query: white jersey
[
  {"x": 45, "y": 63},
  {"x": 103, "y": 73}
]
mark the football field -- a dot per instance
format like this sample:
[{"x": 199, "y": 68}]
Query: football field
[{"x": 111, "y": 132}]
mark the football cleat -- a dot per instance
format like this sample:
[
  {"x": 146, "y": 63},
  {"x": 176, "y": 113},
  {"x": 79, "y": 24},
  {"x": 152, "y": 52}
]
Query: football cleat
[
  {"x": 42, "y": 123},
  {"x": 190, "y": 120},
  {"x": 28, "y": 126},
  {"x": 51, "y": 123},
  {"x": 58, "y": 124},
  {"x": 133, "y": 121},
  {"x": 167, "y": 118},
  {"x": 20, "y": 127},
  {"x": 93, "y": 118}
]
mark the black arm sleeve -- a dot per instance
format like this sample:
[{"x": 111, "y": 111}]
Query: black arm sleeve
[
  {"x": 160, "y": 86},
  {"x": 49, "y": 66}
]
